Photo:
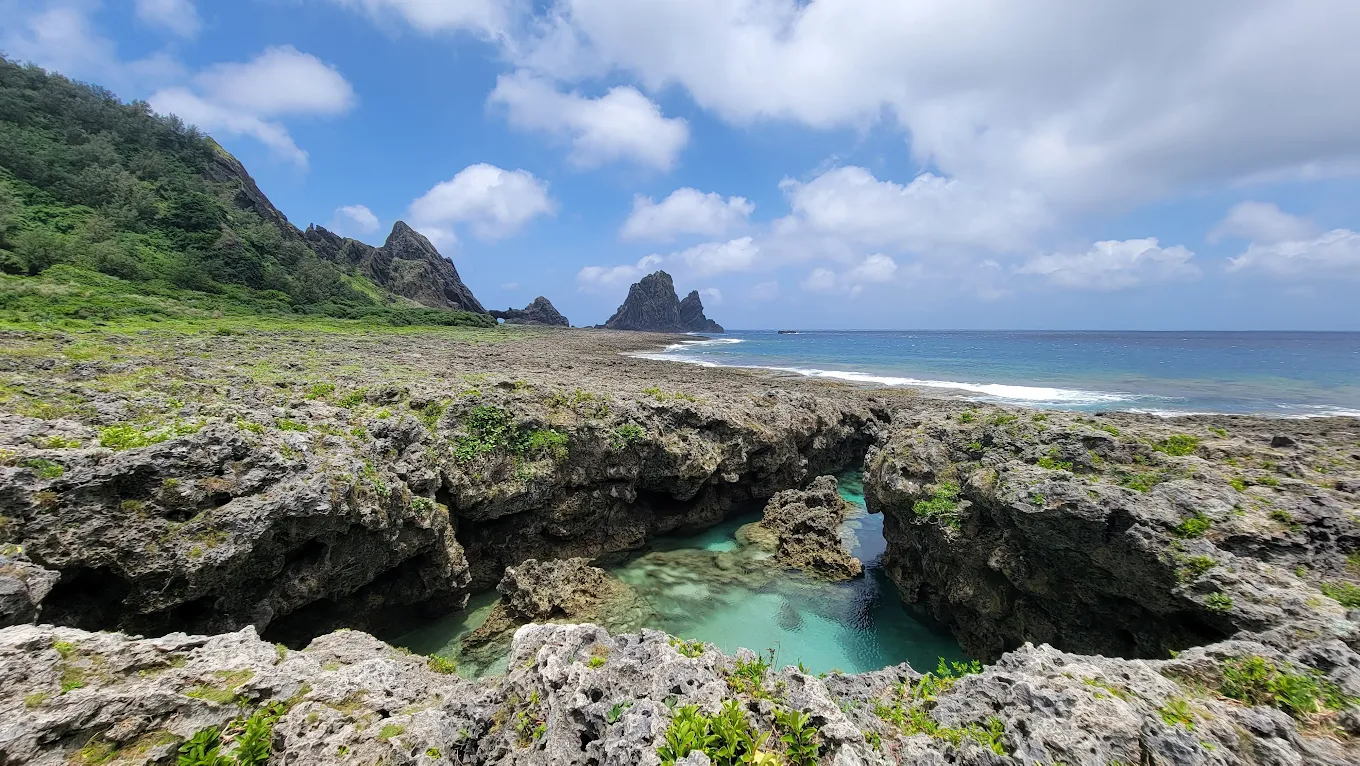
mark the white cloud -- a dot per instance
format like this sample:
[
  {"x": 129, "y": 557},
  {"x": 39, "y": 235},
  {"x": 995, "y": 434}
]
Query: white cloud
[
  {"x": 1262, "y": 222},
  {"x": 215, "y": 118},
  {"x": 713, "y": 295},
  {"x": 622, "y": 125},
  {"x": 178, "y": 16},
  {"x": 494, "y": 202},
  {"x": 720, "y": 257},
  {"x": 764, "y": 291},
  {"x": 846, "y": 210},
  {"x": 510, "y": 286},
  {"x": 63, "y": 39},
  {"x": 489, "y": 18},
  {"x": 595, "y": 278},
  {"x": 281, "y": 80},
  {"x": 1114, "y": 104},
  {"x": 1114, "y": 265},
  {"x": 685, "y": 211},
  {"x": 241, "y": 98},
  {"x": 1334, "y": 254},
  {"x": 873, "y": 269},
  {"x": 359, "y": 217}
]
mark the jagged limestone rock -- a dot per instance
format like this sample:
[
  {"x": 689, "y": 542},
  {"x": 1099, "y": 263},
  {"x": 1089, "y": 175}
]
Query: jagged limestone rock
[
  {"x": 407, "y": 264},
  {"x": 801, "y": 527},
  {"x": 653, "y": 306},
  {"x": 539, "y": 311}
]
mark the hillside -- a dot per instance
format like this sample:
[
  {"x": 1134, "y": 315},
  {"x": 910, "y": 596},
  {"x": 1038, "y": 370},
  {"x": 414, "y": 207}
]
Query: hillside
[{"x": 142, "y": 214}]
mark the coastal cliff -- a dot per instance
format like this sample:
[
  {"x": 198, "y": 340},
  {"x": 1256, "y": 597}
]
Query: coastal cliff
[{"x": 244, "y": 482}]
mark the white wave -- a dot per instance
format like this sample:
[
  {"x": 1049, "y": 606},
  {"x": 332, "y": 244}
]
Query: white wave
[
  {"x": 1318, "y": 411},
  {"x": 1030, "y": 394},
  {"x": 687, "y": 344}
]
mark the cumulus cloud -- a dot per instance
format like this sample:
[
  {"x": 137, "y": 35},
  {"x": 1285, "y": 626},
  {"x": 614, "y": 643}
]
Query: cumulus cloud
[
  {"x": 1262, "y": 222},
  {"x": 720, "y": 257},
  {"x": 846, "y": 210},
  {"x": 494, "y": 202},
  {"x": 685, "y": 211},
  {"x": 62, "y": 38},
  {"x": 178, "y": 16},
  {"x": 596, "y": 278},
  {"x": 873, "y": 269},
  {"x": 355, "y": 218},
  {"x": 1116, "y": 104},
  {"x": 621, "y": 125},
  {"x": 488, "y": 18},
  {"x": 1114, "y": 265},
  {"x": 247, "y": 98},
  {"x": 281, "y": 80}
]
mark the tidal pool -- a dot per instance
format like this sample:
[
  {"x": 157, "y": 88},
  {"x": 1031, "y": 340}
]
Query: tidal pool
[{"x": 713, "y": 588}]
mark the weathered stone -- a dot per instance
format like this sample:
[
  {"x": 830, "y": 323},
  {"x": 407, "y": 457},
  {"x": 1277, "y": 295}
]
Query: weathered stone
[
  {"x": 653, "y": 306},
  {"x": 802, "y": 528},
  {"x": 23, "y": 586},
  {"x": 540, "y": 311},
  {"x": 407, "y": 264},
  {"x": 692, "y": 317}
]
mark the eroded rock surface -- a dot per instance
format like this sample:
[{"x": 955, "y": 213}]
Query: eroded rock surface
[
  {"x": 574, "y": 694},
  {"x": 305, "y": 483},
  {"x": 23, "y": 586},
  {"x": 1118, "y": 535},
  {"x": 801, "y": 526}
]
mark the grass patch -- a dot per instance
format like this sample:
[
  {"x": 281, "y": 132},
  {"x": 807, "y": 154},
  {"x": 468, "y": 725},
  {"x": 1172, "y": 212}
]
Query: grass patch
[
  {"x": 1343, "y": 593},
  {"x": 1178, "y": 445},
  {"x": 128, "y": 436},
  {"x": 1195, "y": 526},
  {"x": 1259, "y": 681},
  {"x": 942, "y": 506}
]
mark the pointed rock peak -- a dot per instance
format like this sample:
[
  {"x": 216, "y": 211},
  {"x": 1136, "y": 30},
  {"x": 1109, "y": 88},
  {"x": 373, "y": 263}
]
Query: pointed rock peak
[
  {"x": 652, "y": 306},
  {"x": 405, "y": 235}
]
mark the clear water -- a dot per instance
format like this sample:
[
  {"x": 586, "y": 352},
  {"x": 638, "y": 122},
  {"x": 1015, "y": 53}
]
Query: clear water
[
  {"x": 713, "y": 588},
  {"x": 1292, "y": 374}
]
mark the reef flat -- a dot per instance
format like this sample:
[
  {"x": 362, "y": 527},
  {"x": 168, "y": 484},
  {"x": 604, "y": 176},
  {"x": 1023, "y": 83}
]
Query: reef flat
[{"x": 236, "y": 489}]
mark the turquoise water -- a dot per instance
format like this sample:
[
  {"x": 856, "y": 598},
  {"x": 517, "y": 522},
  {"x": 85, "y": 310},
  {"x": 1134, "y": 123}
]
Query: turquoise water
[
  {"x": 1291, "y": 374},
  {"x": 713, "y": 588}
]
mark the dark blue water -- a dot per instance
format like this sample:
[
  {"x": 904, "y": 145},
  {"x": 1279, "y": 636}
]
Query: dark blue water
[{"x": 1293, "y": 374}]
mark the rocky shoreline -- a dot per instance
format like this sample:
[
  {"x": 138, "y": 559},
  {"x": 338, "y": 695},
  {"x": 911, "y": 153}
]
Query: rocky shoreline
[{"x": 245, "y": 482}]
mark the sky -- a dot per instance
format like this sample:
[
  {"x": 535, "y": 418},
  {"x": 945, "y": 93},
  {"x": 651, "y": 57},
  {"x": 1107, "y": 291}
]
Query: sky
[{"x": 802, "y": 163}]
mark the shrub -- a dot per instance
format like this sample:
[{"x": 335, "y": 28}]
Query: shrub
[
  {"x": 126, "y": 436},
  {"x": 46, "y": 469},
  {"x": 1052, "y": 464},
  {"x": 442, "y": 665},
  {"x": 320, "y": 390},
  {"x": 1219, "y": 601},
  {"x": 1195, "y": 566},
  {"x": 627, "y": 434}
]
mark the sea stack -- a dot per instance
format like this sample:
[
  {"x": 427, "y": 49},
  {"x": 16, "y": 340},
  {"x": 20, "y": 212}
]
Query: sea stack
[
  {"x": 540, "y": 311},
  {"x": 653, "y": 306}
]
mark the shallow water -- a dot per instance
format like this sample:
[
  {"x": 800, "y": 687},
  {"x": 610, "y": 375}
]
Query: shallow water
[{"x": 711, "y": 587}]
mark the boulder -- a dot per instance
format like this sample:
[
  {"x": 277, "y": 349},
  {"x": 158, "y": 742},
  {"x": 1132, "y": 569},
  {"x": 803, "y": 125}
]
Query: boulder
[{"x": 802, "y": 527}]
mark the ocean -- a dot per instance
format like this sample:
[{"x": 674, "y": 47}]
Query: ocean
[{"x": 1287, "y": 374}]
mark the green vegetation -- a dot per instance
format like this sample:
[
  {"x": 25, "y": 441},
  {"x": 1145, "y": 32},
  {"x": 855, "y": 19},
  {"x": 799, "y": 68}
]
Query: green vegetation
[
  {"x": 1259, "y": 681},
  {"x": 254, "y": 740},
  {"x": 1004, "y": 419},
  {"x": 1178, "y": 445},
  {"x": 491, "y": 430},
  {"x": 1051, "y": 463},
  {"x": 1195, "y": 526},
  {"x": 285, "y": 424},
  {"x": 966, "y": 416},
  {"x": 1219, "y": 601},
  {"x": 321, "y": 391},
  {"x": 46, "y": 469},
  {"x": 800, "y": 739},
  {"x": 943, "y": 505},
  {"x": 616, "y": 711},
  {"x": 749, "y": 675},
  {"x": 661, "y": 396},
  {"x": 727, "y": 738},
  {"x": 1140, "y": 482},
  {"x": 1176, "y": 712},
  {"x": 107, "y": 212},
  {"x": 626, "y": 434},
  {"x": 127, "y": 436},
  {"x": 1343, "y": 593},
  {"x": 689, "y": 649},
  {"x": 596, "y": 662},
  {"x": 442, "y": 665},
  {"x": 909, "y": 708},
  {"x": 1194, "y": 566}
]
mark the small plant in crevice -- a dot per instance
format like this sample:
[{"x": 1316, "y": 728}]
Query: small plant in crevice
[
  {"x": 908, "y": 709},
  {"x": 1194, "y": 566},
  {"x": 801, "y": 743},
  {"x": 689, "y": 649},
  {"x": 749, "y": 675},
  {"x": 442, "y": 665},
  {"x": 942, "y": 506},
  {"x": 727, "y": 738},
  {"x": 1219, "y": 601},
  {"x": 1195, "y": 526},
  {"x": 1177, "y": 712},
  {"x": 626, "y": 434},
  {"x": 616, "y": 712},
  {"x": 250, "y": 741}
]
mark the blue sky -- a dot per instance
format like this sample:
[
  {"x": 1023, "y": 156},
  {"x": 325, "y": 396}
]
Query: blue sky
[{"x": 823, "y": 163}]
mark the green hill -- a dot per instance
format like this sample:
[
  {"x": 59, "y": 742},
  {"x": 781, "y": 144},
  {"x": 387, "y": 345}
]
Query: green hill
[{"x": 110, "y": 211}]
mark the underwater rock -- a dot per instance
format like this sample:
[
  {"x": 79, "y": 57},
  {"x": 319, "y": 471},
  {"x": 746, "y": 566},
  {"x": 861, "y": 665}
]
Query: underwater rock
[{"x": 802, "y": 527}]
